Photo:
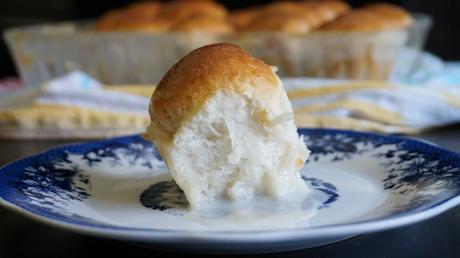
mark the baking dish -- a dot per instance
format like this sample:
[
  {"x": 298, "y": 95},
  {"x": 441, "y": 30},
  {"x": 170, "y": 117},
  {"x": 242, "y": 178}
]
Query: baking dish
[{"x": 42, "y": 52}]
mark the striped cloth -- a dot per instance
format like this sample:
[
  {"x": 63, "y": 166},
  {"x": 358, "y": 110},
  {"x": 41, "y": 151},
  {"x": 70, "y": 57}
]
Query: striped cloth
[
  {"x": 372, "y": 105},
  {"x": 64, "y": 108}
]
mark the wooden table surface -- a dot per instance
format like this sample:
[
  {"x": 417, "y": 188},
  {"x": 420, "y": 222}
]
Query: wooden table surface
[{"x": 436, "y": 237}]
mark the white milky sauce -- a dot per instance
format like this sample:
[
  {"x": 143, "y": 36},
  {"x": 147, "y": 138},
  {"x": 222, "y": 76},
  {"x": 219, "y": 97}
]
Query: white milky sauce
[
  {"x": 115, "y": 193},
  {"x": 259, "y": 213},
  {"x": 116, "y": 200}
]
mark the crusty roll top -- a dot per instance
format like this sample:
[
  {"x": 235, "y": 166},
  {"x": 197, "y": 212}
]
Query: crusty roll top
[{"x": 199, "y": 75}]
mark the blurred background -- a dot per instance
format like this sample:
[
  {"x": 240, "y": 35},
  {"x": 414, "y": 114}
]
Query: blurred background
[
  {"x": 77, "y": 52},
  {"x": 443, "y": 41}
]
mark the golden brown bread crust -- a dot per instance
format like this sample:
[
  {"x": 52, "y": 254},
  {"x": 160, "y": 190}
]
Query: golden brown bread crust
[
  {"x": 373, "y": 17},
  {"x": 182, "y": 9},
  {"x": 395, "y": 15},
  {"x": 288, "y": 9},
  {"x": 289, "y": 17},
  {"x": 145, "y": 10},
  {"x": 282, "y": 7},
  {"x": 151, "y": 26},
  {"x": 358, "y": 20},
  {"x": 286, "y": 16},
  {"x": 241, "y": 18},
  {"x": 293, "y": 17},
  {"x": 327, "y": 10},
  {"x": 199, "y": 75},
  {"x": 155, "y": 17},
  {"x": 203, "y": 23},
  {"x": 289, "y": 23},
  {"x": 134, "y": 16}
]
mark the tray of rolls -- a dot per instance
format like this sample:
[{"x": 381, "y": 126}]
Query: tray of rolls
[{"x": 137, "y": 43}]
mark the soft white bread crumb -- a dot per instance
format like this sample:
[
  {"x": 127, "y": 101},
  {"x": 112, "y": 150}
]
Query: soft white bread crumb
[{"x": 236, "y": 142}]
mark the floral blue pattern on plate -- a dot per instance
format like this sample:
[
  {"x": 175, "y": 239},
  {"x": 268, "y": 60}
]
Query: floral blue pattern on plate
[{"x": 120, "y": 188}]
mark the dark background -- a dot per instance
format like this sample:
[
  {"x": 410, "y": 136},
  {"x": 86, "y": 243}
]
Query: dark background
[{"x": 444, "y": 40}]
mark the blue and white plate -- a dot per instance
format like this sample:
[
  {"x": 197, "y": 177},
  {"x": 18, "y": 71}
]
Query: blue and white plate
[{"x": 120, "y": 188}]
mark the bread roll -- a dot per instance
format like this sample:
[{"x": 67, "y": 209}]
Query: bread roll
[
  {"x": 222, "y": 122},
  {"x": 135, "y": 17},
  {"x": 287, "y": 16},
  {"x": 395, "y": 15},
  {"x": 374, "y": 17},
  {"x": 291, "y": 17},
  {"x": 327, "y": 11}
]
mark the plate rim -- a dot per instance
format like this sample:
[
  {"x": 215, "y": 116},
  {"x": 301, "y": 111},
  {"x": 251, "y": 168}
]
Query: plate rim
[{"x": 255, "y": 236}]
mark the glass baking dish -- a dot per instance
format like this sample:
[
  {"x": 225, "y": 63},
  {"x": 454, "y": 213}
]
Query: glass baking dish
[{"x": 42, "y": 52}]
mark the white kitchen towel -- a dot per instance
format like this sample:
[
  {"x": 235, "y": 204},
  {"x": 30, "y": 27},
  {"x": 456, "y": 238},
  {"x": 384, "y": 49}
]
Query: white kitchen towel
[
  {"x": 372, "y": 105},
  {"x": 358, "y": 105},
  {"x": 80, "y": 90}
]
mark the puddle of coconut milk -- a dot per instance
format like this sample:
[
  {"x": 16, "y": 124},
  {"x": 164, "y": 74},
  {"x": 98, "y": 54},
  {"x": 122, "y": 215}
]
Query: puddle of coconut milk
[
  {"x": 257, "y": 213},
  {"x": 118, "y": 202}
]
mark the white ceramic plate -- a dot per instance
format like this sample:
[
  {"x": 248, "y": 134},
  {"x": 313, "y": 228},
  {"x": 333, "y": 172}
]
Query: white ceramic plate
[{"x": 119, "y": 188}]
